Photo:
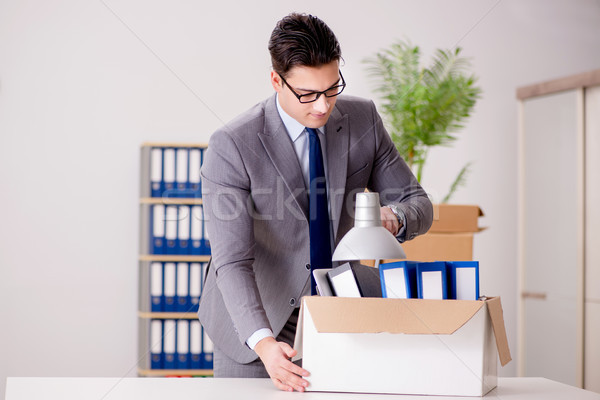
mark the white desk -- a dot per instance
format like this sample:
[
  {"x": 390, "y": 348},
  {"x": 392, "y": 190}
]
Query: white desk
[{"x": 249, "y": 389}]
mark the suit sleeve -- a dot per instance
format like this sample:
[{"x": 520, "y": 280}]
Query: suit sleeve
[
  {"x": 228, "y": 212},
  {"x": 396, "y": 184}
]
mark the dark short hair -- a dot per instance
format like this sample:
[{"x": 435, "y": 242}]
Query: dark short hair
[{"x": 302, "y": 40}]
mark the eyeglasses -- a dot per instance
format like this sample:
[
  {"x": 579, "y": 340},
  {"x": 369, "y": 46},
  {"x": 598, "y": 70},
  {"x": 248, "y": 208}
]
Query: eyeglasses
[{"x": 314, "y": 96}]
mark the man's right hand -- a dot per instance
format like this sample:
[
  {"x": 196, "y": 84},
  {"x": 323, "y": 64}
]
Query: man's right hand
[{"x": 276, "y": 357}]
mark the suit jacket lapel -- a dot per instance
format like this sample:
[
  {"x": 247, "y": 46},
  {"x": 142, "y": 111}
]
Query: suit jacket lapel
[
  {"x": 337, "y": 139},
  {"x": 280, "y": 149}
]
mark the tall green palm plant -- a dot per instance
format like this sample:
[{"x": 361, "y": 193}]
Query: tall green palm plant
[{"x": 424, "y": 107}]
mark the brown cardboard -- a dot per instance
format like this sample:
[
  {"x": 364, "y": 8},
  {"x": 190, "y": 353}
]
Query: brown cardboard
[
  {"x": 375, "y": 315},
  {"x": 452, "y": 218},
  {"x": 497, "y": 315},
  {"x": 440, "y": 246},
  {"x": 436, "y": 247}
]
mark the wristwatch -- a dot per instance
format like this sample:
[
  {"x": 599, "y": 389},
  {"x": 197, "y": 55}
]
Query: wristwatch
[{"x": 399, "y": 214}]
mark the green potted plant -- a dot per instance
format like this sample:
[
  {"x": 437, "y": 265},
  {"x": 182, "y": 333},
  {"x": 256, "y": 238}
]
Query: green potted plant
[{"x": 423, "y": 107}]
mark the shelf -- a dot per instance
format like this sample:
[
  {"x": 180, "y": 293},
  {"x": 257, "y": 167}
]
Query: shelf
[
  {"x": 167, "y": 315},
  {"x": 167, "y": 144},
  {"x": 173, "y": 258},
  {"x": 171, "y": 200},
  {"x": 175, "y": 372}
]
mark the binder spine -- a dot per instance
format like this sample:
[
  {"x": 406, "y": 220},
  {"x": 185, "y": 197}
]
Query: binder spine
[
  {"x": 183, "y": 230},
  {"x": 171, "y": 229},
  {"x": 207, "y": 351},
  {"x": 156, "y": 344},
  {"x": 183, "y": 298},
  {"x": 156, "y": 172},
  {"x": 431, "y": 280},
  {"x": 195, "y": 286},
  {"x": 182, "y": 173},
  {"x": 169, "y": 343},
  {"x": 463, "y": 280},
  {"x": 196, "y": 361},
  {"x": 195, "y": 162},
  {"x": 169, "y": 287},
  {"x": 168, "y": 172},
  {"x": 183, "y": 344},
  {"x": 157, "y": 298},
  {"x": 196, "y": 231},
  {"x": 157, "y": 221}
]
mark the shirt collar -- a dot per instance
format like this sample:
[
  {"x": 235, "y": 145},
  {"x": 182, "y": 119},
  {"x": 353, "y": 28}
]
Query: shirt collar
[{"x": 293, "y": 127}]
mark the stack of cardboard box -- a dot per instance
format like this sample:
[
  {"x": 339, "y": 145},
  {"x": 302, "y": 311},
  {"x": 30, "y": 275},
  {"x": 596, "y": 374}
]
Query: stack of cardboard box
[{"x": 450, "y": 237}]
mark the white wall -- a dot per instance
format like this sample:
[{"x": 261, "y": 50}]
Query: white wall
[{"x": 82, "y": 84}]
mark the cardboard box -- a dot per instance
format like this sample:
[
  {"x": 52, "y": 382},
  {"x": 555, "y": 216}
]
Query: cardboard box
[
  {"x": 401, "y": 346},
  {"x": 440, "y": 246},
  {"x": 450, "y": 237},
  {"x": 436, "y": 247},
  {"x": 453, "y": 218}
]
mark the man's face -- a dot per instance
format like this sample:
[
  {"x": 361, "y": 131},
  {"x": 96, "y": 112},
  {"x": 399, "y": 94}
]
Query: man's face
[{"x": 305, "y": 80}]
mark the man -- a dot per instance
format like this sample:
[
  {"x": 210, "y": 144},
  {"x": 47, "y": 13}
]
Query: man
[{"x": 260, "y": 183}]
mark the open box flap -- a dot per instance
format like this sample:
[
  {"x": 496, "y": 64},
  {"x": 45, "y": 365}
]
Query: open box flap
[
  {"x": 374, "y": 315},
  {"x": 408, "y": 316},
  {"x": 497, "y": 316}
]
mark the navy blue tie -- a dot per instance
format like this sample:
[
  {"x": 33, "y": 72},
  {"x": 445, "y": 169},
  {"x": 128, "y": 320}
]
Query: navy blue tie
[{"x": 320, "y": 237}]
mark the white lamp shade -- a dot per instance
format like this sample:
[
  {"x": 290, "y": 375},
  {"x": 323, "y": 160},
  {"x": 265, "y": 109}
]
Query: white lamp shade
[
  {"x": 368, "y": 240},
  {"x": 369, "y": 243}
]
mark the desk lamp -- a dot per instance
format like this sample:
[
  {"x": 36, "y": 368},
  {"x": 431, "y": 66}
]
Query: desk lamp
[{"x": 368, "y": 239}]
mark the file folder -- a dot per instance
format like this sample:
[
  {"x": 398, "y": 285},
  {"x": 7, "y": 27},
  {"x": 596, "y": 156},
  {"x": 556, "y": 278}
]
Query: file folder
[
  {"x": 156, "y": 287},
  {"x": 322, "y": 282},
  {"x": 343, "y": 281},
  {"x": 463, "y": 280},
  {"x": 431, "y": 280},
  {"x": 156, "y": 347},
  {"x": 207, "y": 351},
  {"x": 182, "y": 172},
  {"x": 195, "y": 345},
  {"x": 194, "y": 172},
  {"x": 169, "y": 287},
  {"x": 183, "y": 230},
  {"x": 183, "y": 344},
  {"x": 399, "y": 279},
  {"x": 169, "y": 344},
  {"x": 156, "y": 179},
  {"x": 195, "y": 286},
  {"x": 196, "y": 230},
  {"x": 169, "y": 172},
  {"x": 183, "y": 294},
  {"x": 171, "y": 229},
  {"x": 157, "y": 214}
]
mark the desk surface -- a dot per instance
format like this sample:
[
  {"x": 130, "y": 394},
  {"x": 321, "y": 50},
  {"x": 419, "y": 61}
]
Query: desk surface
[{"x": 249, "y": 389}]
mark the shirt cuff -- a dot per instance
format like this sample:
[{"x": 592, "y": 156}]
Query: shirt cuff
[{"x": 258, "y": 336}]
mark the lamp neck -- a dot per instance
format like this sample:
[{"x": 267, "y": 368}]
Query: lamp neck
[{"x": 367, "y": 213}]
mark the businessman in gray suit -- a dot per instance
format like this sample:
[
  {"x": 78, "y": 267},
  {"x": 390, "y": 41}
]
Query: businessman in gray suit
[{"x": 256, "y": 181}]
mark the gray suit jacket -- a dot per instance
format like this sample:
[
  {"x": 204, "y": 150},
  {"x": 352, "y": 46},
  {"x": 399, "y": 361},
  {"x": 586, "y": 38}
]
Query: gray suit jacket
[{"x": 256, "y": 208}]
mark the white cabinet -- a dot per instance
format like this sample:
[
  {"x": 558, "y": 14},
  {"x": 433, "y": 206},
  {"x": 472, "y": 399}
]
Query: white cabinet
[{"x": 559, "y": 230}]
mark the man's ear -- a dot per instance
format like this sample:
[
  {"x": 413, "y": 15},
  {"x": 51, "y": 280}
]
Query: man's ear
[{"x": 276, "y": 81}]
